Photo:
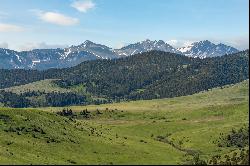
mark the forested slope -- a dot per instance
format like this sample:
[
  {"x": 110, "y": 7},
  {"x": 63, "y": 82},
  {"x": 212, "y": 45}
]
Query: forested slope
[{"x": 148, "y": 75}]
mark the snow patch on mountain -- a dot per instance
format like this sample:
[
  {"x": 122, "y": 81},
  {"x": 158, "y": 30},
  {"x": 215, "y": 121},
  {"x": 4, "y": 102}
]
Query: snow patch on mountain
[
  {"x": 205, "y": 49},
  {"x": 145, "y": 46},
  {"x": 60, "y": 58}
]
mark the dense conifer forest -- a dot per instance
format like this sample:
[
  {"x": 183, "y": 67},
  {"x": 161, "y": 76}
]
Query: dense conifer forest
[{"x": 148, "y": 75}]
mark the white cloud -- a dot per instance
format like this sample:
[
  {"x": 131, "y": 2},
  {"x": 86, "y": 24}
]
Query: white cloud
[
  {"x": 4, "y": 45},
  {"x": 240, "y": 43},
  {"x": 42, "y": 45},
  {"x": 120, "y": 45},
  {"x": 10, "y": 28},
  {"x": 55, "y": 18},
  {"x": 172, "y": 42},
  {"x": 83, "y": 5},
  {"x": 187, "y": 43},
  {"x": 179, "y": 43}
]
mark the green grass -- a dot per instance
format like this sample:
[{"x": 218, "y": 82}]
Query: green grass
[
  {"x": 125, "y": 133},
  {"x": 46, "y": 86}
]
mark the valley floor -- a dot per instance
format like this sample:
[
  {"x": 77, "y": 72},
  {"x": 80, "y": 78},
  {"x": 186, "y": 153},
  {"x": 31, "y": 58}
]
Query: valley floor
[{"x": 165, "y": 131}]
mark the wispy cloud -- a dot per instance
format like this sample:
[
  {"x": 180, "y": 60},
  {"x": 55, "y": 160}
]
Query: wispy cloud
[
  {"x": 119, "y": 45},
  {"x": 179, "y": 43},
  {"x": 55, "y": 18},
  {"x": 10, "y": 28},
  {"x": 42, "y": 45},
  {"x": 241, "y": 42},
  {"x": 4, "y": 45},
  {"x": 83, "y": 5}
]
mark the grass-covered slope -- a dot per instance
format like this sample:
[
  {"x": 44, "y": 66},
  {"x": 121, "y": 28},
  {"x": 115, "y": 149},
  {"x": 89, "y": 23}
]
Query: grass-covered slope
[
  {"x": 166, "y": 131},
  {"x": 46, "y": 86},
  {"x": 46, "y": 93}
]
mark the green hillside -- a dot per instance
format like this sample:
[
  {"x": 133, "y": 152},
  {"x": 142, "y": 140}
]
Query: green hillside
[
  {"x": 151, "y": 75},
  {"x": 46, "y": 93},
  {"x": 164, "y": 131},
  {"x": 46, "y": 86}
]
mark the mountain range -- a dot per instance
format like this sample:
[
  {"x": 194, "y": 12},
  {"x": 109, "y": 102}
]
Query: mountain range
[
  {"x": 204, "y": 49},
  {"x": 42, "y": 59}
]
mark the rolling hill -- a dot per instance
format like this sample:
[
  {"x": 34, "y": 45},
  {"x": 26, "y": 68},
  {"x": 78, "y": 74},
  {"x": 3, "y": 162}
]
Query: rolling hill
[
  {"x": 162, "y": 131},
  {"x": 151, "y": 75}
]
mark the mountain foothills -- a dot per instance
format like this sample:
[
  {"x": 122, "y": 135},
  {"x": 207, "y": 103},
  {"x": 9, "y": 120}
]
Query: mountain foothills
[
  {"x": 149, "y": 75},
  {"x": 42, "y": 59},
  {"x": 209, "y": 128},
  {"x": 147, "y": 103}
]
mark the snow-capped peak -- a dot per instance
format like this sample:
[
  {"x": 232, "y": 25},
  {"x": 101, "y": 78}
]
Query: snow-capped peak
[
  {"x": 145, "y": 46},
  {"x": 71, "y": 56},
  {"x": 204, "y": 49}
]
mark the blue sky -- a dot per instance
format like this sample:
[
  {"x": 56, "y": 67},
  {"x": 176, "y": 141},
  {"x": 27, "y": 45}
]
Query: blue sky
[{"x": 28, "y": 24}]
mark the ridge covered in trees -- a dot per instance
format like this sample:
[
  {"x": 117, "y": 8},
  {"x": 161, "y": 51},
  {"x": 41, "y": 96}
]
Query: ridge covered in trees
[{"x": 148, "y": 75}]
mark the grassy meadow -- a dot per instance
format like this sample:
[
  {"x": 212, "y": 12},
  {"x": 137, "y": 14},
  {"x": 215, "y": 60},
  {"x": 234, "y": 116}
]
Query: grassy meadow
[
  {"x": 164, "y": 131},
  {"x": 46, "y": 86}
]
